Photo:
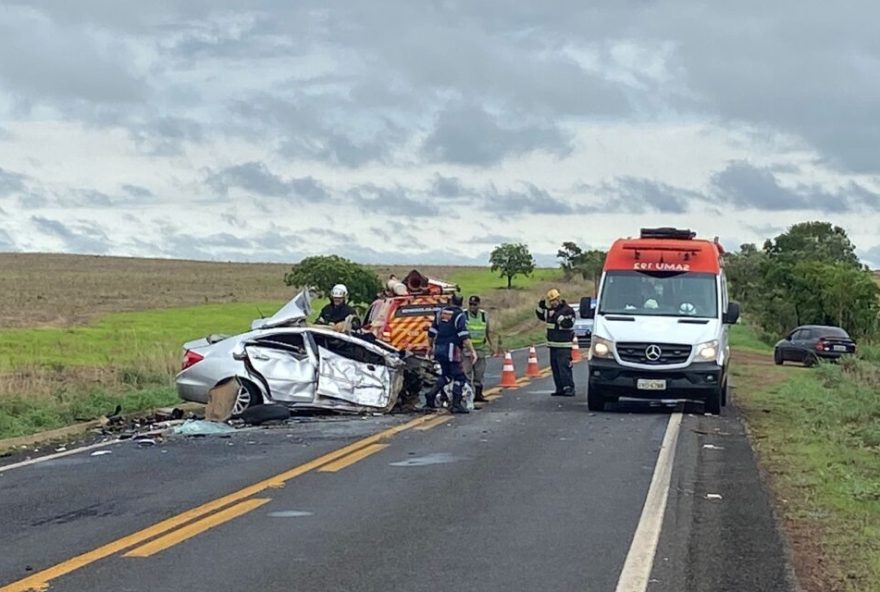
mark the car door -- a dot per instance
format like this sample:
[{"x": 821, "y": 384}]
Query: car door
[
  {"x": 354, "y": 371},
  {"x": 286, "y": 364},
  {"x": 789, "y": 346},
  {"x": 801, "y": 342}
]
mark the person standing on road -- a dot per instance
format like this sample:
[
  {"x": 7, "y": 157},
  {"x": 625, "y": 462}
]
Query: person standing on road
[
  {"x": 447, "y": 336},
  {"x": 481, "y": 338},
  {"x": 337, "y": 310},
  {"x": 559, "y": 318}
]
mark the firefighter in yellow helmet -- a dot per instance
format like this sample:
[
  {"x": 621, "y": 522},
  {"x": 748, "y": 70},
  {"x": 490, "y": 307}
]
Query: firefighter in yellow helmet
[{"x": 559, "y": 318}]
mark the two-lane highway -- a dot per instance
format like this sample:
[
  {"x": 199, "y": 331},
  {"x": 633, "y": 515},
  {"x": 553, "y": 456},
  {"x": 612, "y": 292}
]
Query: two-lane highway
[{"x": 531, "y": 492}]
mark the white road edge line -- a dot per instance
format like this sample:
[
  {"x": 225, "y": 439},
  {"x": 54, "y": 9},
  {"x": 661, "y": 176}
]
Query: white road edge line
[
  {"x": 636, "y": 570},
  {"x": 40, "y": 459}
]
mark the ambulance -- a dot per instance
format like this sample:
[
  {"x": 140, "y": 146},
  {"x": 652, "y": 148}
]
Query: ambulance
[{"x": 661, "y": 321}]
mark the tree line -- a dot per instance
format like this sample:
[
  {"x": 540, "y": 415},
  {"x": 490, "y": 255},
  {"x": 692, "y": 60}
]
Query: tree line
[{"x": 809, "y": 274}]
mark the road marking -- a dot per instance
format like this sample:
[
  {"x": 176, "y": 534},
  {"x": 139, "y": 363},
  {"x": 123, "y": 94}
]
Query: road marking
[
  {"x": 40, "y": 579},
  {"x": 191, "y": 530},
  {"x": 352, "y": 458},
  {"x": 640, "y": 559},
  {"x": 434, "y": 423},
  {"x": 34, "y": 461}
]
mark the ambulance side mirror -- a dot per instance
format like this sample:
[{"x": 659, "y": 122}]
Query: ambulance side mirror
[
  {"x": 586, "y": 310},
  {"x": 732, "y": 314}
]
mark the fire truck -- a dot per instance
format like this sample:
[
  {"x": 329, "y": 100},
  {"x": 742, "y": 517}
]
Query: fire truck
[{"x": 402, "y": 315}]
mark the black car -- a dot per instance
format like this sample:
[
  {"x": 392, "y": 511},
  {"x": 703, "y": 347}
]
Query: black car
[{"x": 810, "y": 343}]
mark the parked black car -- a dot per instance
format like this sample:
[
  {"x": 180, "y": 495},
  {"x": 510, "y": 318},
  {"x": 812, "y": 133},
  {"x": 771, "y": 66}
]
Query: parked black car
[{"x": 810, "y": 343}]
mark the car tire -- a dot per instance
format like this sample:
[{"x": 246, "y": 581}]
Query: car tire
[
  {"x": 260, "y": 414},
  {"x": 810, "y": 360},
  {"x": 249, "y": 395},
  {"x": 713, "y": 402},
  {"x": 777, "y": 357},
  {"x": 595, "y": 400}
]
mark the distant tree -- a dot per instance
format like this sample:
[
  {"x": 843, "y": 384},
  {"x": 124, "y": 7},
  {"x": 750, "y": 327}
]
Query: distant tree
[
  {"x": 575, "y": 260},
  {"x": 814, "y": 241},
  {"x": 568, "y": 256},
  {"x": 512, "y": 260},
  {"x": 325, "y": 271},
  {"x": 745, "y": 273}
]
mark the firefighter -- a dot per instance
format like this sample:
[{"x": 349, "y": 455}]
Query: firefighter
[
  {"x": 447, "y": 337},
  {"x": 337, "y": 310},
  {"x": 559, "y": 318},
  {"x": 481, "y": 339}
]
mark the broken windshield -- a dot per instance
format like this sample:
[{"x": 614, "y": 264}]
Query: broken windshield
[{"x": 659, "y": 294}]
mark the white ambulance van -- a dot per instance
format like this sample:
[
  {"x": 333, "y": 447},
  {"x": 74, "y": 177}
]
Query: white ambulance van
[{"x": 661, "y": 321}]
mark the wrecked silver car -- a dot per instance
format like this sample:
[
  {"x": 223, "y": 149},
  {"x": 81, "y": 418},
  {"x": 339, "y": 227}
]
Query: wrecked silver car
[{"x": 281, "y": 360}]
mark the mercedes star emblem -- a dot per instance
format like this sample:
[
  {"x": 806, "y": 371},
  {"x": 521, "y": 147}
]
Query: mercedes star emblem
[{"x": 653, "y": 352}]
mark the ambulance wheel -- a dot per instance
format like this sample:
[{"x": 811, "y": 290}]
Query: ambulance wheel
[
  {"x": 595, "y": 400},
  {"x": 713, "y": 402}
]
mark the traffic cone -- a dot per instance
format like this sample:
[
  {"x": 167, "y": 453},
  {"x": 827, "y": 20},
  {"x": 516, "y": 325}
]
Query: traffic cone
[
  {"x": 575, "y": 351},
  {"x": 532, "y": 369},
  {"x": 508, "y": 374}
]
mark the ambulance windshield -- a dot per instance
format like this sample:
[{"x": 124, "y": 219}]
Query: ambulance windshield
[{"x": 667, "y": 294}]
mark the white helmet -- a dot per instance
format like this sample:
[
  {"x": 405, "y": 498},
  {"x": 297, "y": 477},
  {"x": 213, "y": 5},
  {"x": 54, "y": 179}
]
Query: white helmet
[{"x": 339, "y": 291}]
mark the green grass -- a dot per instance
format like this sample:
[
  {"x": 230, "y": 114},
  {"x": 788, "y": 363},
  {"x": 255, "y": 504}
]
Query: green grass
[
  {"x": 744, "y": 336},
  {"x": 818, "y": 432},
  {"x": 20, "y": 415},
  {"x": 483, "y": 281},
  {"x": 125, "y": 338}
]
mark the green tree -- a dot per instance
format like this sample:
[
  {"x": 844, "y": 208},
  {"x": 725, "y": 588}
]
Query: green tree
[
  {"x": 512, "y": 260},
  {"x": 814, "y": 241},
  {"x": 745, "y": 273},
  {"x": 325, "y": 271},
  {"x": 569, "y": 255}
]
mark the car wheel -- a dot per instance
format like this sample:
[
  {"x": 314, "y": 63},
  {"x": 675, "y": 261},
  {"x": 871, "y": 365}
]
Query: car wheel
[
  {"x": 595, "y": 400},
  {"x": 777, "y": 357},
  {"x": 248, "y": 396},
  {"x": 713, "y": 402},
  {"x": 810, "y": 360}
]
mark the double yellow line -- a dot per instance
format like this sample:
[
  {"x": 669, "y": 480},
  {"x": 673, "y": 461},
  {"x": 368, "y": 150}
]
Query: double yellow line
[{"x": 169, "y": 532}]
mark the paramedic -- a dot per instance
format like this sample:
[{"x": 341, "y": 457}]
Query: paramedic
[
  {"x": 559, "y": 318},
  {"x": 337, "y": 310},
  {"x": 447, "y": 336}
]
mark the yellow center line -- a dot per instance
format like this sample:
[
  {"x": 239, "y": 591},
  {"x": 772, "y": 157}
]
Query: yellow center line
[
  {"x": 492, "y": 391},
  {"x": 40, "y": 579},
  {"x": 434, "y": 423},
  {"x": 352, "y": 458},
  {"x": 191, "y": 530}
]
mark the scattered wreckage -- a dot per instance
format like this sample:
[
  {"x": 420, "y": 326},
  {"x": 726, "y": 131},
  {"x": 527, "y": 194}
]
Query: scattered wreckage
[{"x": 282, "y": 361}]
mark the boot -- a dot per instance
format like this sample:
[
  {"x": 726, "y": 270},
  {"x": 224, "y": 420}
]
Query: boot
[
  {"x": 478, "y": 394},
  {"x": 568, "y": 391},
  {"x": 457, "y": 406}
]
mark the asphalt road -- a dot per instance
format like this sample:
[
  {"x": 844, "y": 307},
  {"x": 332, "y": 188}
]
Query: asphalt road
[{"x": 531, "y": 492}]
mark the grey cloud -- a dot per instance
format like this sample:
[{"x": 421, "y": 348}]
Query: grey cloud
[
  {"x": 10, "y": 182},
  {"x": 81, "y": 237},
  {"x": 161, "y": 136},
  {"x": 530, "y": 200},
  {"x": 493, "y": 239},
  {"x": 137, "y": 192},
  {"x": 639, "y": 195},
  {"x": 447, "y": 186},
  {"x": 328, "y": 233},
  {"x": 470, "y": 135},
  {"x": 41, "y": 60},
  {"x": 393, "y": 201},
  {"x": 256, "y": 177},
  {"x": 745, "y": 185},
  {"x": 33, "y": 201}
]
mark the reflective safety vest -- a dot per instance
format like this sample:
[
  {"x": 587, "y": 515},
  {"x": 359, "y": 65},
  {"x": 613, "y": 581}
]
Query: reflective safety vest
[{"x": 477, "y": 327}]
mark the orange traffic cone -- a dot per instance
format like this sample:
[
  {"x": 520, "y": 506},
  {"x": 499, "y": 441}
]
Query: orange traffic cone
[
  {"x": 508, "y": 374},
  {"x": 532, "y": 369},
  {"x": 576, "y": 351}
]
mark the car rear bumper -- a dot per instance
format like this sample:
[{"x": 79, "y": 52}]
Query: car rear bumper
[
  {"x": 697, "y": 381},
  {"x": 193, "y": 392}
]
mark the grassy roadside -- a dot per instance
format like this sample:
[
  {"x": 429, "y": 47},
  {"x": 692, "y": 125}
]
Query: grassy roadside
[
  {"x": 817, "y": 435},
  {"x": 53, "y": 376}
]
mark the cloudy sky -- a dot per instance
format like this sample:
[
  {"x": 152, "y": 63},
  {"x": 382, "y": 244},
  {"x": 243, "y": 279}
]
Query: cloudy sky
[{"x": 430, "y": 131}]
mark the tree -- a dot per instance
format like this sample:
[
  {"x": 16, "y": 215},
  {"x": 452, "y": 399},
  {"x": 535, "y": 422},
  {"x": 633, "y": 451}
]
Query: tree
[
  {"x": 569, "y": 255},
  {"x": 512, "y": 260},
  {"x": 815, "y": 241},
  {"x": 745, "y": 273},
  {"x": 574, "y": 260},
  {"x": 325, "y": 271}
]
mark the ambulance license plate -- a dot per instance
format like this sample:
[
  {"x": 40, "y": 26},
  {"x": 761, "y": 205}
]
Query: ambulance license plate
[{"x": 650, "y": 385}]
